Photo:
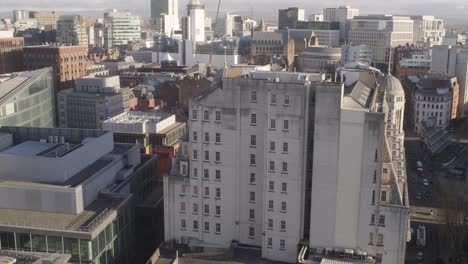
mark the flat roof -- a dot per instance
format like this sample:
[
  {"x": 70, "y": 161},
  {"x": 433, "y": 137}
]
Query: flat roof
[
  {"x": 27, "y": 148},
  {"x": 87, "y": 221}
]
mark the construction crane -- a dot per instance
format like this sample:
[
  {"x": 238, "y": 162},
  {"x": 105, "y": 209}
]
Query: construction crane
[{"x": 214, "y": 29}]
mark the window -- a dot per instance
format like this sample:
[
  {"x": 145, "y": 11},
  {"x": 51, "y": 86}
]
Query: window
[
  {"x": 286, "y": 100},
  {"x": 218, "y": 193},
  {"x": 206, "y": 115},
  {"x": 252, "y": 196},
  {"x": 376, "y": 156},
  {"x": 285, "y": 124},
  {"x": 195, "y": 225},
  {"x": 284, "y": 187},
  {"x": 270, "y": 205},
  {"x": 183, "y": 224},
  {"x": 383, "y": 198},
  {"x": 206, "y": 174},
  {"x": 373, "y": 197},
  {"x": 206, "y": 209},
  {"x": 270, "y": 223},
  {"x": 218, "y": 138},
  {"x": 282, "y": 244},
  {"x": 207, "y": 227},
  {"x": 218, "y": 228},
  {"x": 251, "y": 232},
  {"x": 218, "y": 210},
  {"x": 272, "y": 165},
  {"x": 206, "y": 156},
  {"x": 195, "y": 190},
  {"x": 252, "y": 178},
  {"x": 217, "y": 156},
  {"x": 195, "y": 154},
  {"x": 271, "y": 186},
  {"x": 195, "y": 172},
  {"x": 254, "y": 96},
  {"x": 207, "y": 137},
  {"x": 253, "y": 119},
  {"x": 218, "y": 115},
  {"x": 270, "y": 242},
  {"x": 283, "y": 225},
  {"x": 285, "y": 167},
  {"x": 182, "y": 206},
  {"x": 272, "y": 146},
  {"x": 381, "y": 220},
  {"x": 251, "y": 214},
  {"x": 380, "y": 240},
  {"x": 218, "y": 175},
  {"x": 195, "y": 136},
  {"x": 378, "y": 258},
  {"x": 195, "y": 208},
  {"x": 385, "y": 170},
  {"x": 283, "y": 206},
  {"x": 253, "y": 140},
  {"x": 372, "y": 219},
  {"x": 206, "y": 193},
  {"x": 194, "y": 114},
  {"x": 272, "y": 124},
  {"x": 285, "y": 147},
  {"x": 183, "y": 189},
  {"x": 371, "y": 238},
  {"x": 273, "y": 99},
  {"x": 252, "y": 160}
]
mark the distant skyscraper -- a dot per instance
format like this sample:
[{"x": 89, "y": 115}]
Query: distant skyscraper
[
  {"x": 340, "y": 14},
  {"x": 19, "y": 15},
  {"x": 47, "y": 19},
  {"x": 165, "y": 15},
  {"x": 428, "y": 29},
  {"x": 288, "y": 17},
  {"x": 196, "y": 12},
  {"x": 121, "y": 27},
  {"x": 71, "y": 30}
]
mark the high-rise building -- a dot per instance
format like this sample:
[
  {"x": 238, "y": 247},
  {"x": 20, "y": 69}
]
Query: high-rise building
[
  {"x": 71, "y": 31},
  {"x": 19, "y": 15},
  {"x": 81, "y": 202},
  {"x": 165, "y": 16},
  {"x": 341, "y": 15},
  {"x": 67, "y": 62},
  {"x": 196, "y": 21},
  {"x": 225, "y": 26},
  {"x": 380, "y": 33},
  {"x": 267, "y": 164},
  {"x": 99, "y": 34},
  {"x": 46, "y": 19},
  {"x": 11, "y": 54},
  {"x": 121, "y": 28},
  {"x": 27, "y": 99},
  {"x": 91, "y": 102},
  {"x": 288, "y": 17},
  {"x": 428, "y": 29}
]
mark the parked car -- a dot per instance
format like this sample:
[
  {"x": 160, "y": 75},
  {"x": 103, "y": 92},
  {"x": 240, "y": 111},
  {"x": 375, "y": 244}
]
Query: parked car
[
  {"x": 420, "y": 256},
  {"x": 425, "y": 182},
  {"x": 418, "y": 196},
  {"x": 428, "y": 194}
]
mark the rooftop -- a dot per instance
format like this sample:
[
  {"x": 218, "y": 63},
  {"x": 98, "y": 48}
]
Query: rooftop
[{"x": 11, "y": 83}]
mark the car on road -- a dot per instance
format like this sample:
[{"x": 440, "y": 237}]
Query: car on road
[
  {"x": 425, "y": 182},
  {"x": 420, "y": 256},
  {"x": 428, "y": 194},
  {"x": 418, "y": 196}
]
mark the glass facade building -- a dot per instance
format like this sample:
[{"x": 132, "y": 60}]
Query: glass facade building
[{"x": 27, "y": 99}]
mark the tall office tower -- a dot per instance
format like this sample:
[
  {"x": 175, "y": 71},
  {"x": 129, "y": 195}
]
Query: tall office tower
[
  {"x": 380, "y": 33},
  {"x": 121, "y": 28},
  {"x": 226, "y": 25},
  {"x": 340, "y": 14},
  {"x": 27, "y": 99},
  {"x": 99, "y": 34},
  {"x": 93, "y": 100},
  {"x": 428, "y": 29},
  {"x": 196, "y": 12},
  {"x": 11, "y": 54},
  {"x": 289, "y": 163},
  {"x": 68, "y": 63},
  {"x": 288, "y": 17},
  {"x": 165, "y": 15},
  {"x": 19, "y": 15},
  {"x": 71, "y": 31},
  {"x": 46, "y": 19}
]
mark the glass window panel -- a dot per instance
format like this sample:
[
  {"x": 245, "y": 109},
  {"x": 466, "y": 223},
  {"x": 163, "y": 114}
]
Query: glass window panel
[
  {"x": 54, "y": 244},
  {"x": 7, "y": 240},
  {"x": 39, "y": 243},
  {"x": 85, "y": 249},
  {"x": 23, "y": 242},
  {"x": 70, "y": 246}
]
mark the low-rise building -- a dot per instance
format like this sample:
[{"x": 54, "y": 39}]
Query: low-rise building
[
  {"x": 269, "y": 46},
  {"x": 319, "y": 59},
  {"x": 418, "y": 64}
]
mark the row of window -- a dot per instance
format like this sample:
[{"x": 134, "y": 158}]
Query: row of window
[
  {"x": 206, "y": 228},
  {"x": 206, "y": 115},
  {"x": 206, "y": 209},
  {"x": 206, "y": 137},
  {"x": 380, "y": 239},
  {"x": 381, "y": 220},
  {"x": 270, "y": 225},
  {"x": 282, "y": 243},
  {"x": 430, "y": 98},
  {"x": 273, "y": 98},
  {"x": 206, "y": 155},
  {"x": 253, "y": 122},
  {"x": 206, "y": 174},
  {"x": 383, "y": 197},
  {"x": 441, "y": 114},
  {"x": 271, "y": 187},
  {"x": 206, "y": 191},
  {"x": 432, "y": 106},
  {"x": 284, "y": 166}
]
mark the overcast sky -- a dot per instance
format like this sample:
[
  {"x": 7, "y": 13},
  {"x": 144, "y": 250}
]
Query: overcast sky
[{"x": 456, "y": 10}]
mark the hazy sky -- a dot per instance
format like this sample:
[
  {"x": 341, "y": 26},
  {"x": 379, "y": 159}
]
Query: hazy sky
[{"x": 456, "y": 10}]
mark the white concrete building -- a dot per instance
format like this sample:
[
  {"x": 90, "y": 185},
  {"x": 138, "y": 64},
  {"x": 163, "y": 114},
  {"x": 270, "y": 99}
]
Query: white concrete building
[
  {"x": 257, "y": 146},
  {"x": 316, "y": 17},
  {"x": 453, "y": 61},
  {"x": 165, "y": 16},
  {"x": 428, "y": 29},
  {"x": 121, "y": 28},
  {"x": 19, "y": 15},
  {"x": 196, "y": 21},
  {"x": 380, "y": 33},
  {"x": 360, "y": 53},
  {"x": 72, "y": 31},
  {"x": 225, "y": 26},
  {"x": 341, "y": 14}
]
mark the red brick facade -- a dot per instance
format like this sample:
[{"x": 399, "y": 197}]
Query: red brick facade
[{"x": 11, "y": 55}]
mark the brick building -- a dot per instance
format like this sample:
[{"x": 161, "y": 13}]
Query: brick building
[
  {"x": 68, "y": 63},
  {"x": 11, "y": 54}
]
